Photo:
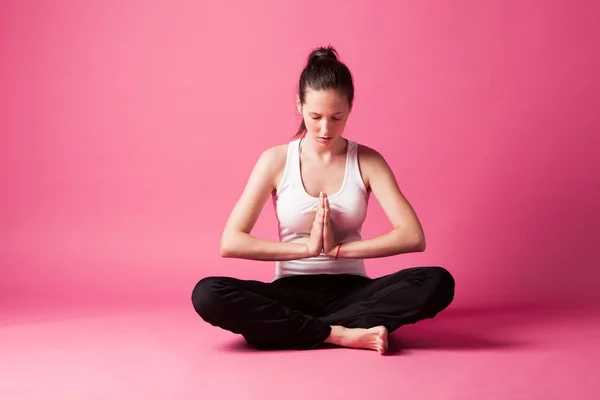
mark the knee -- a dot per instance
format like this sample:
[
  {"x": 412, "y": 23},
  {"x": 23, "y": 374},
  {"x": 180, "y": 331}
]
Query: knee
[
  {"x": 443, "y": 277},
  {"x": 205, "y": 296},
  {"x": 444, "y": 287}
]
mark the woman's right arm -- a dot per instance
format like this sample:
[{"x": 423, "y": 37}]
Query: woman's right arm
[{"x": 236, "y": 241}]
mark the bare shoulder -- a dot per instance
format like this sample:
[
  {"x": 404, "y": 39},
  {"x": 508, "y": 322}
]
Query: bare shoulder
[
  {"x": 370, "y": 162},
  {"x": 368, "y": 153},
  {"x": 272, "y": 162},
  {"x": 275, "y": 153}
]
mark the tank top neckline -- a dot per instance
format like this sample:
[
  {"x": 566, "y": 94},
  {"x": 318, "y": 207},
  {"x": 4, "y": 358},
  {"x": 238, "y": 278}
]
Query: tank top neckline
[{"x": 346, "y": 171}]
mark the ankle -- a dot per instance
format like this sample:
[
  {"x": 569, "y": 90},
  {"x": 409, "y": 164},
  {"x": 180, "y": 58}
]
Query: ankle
[{"x": 337, "y": 335}]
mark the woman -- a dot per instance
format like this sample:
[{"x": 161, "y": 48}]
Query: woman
[{"x": 320, "y": 184}]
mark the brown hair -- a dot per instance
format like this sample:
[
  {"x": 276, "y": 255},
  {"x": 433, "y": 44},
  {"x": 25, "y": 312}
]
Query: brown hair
[{"x": 324, "y": 71}]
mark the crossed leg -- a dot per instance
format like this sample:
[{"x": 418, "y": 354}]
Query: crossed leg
[
  {"x": 393, "y": 300},
  {"x": 269, "y": 315},
  {"x": 382, "y": 305}
]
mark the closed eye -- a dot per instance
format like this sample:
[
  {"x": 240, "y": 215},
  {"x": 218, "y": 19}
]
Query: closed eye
[{"x": 318, "y": 117}]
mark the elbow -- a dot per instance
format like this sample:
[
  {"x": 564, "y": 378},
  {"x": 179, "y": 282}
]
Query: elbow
[
  {"x": 418, "y": 242},
  {"x": 420, "y": 246},
  {"x": 234, "y": 244},
  {"x": 224, "y": 252},
  {"x": 226, "y": 248},
  {"x": 410, "y": 241}
]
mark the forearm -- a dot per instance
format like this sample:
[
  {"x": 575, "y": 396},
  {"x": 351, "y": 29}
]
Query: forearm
[
  {"x": 392, "y": 243},
  {"x": 246, "y": 246}
]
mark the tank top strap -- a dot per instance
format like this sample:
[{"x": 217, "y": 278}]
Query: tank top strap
[
  {"x": 290, "y": 171},
  {"x": 354, "y": 168},
  {"x": 293, "y": 160}
]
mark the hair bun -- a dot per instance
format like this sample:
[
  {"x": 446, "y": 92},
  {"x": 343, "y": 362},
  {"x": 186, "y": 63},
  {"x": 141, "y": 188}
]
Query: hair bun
[{"x": 322, "y": 54}]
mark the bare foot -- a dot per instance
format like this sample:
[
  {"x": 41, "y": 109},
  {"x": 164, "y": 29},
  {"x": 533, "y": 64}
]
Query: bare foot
[{"x": 375, "y": 338}]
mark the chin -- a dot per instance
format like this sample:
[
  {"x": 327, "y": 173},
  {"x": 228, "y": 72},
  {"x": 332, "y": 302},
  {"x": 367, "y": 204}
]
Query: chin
[{"x": 325, "y": 142}]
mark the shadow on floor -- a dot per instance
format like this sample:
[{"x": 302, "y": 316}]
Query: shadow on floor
[{"x": 402, "y": 343}]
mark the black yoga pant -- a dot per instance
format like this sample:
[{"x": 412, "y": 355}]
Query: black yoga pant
[{"x": 298, "y": 311}]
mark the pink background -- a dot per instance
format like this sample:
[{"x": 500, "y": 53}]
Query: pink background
[{"x": 129, "y": 128}]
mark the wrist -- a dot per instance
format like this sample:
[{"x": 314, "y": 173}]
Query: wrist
[
  {"x": 307, "y": 252},
  {"x": 335, "y": 251}
]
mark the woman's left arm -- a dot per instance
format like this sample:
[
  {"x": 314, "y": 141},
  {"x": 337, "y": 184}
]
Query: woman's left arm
[{"x": 407, "y": 234}]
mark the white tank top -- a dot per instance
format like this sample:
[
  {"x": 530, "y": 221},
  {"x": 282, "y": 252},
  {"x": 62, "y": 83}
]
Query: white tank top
[{"x": 295, "y": 210}]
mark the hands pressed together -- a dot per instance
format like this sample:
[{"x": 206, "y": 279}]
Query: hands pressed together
[{"x": 322, "y": 238}]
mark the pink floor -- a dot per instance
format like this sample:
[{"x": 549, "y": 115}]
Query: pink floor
[{"x": 171, "y": 354}]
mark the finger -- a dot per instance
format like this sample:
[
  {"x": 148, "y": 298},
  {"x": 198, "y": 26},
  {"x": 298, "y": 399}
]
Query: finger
[{"x": 319, "y": 218}]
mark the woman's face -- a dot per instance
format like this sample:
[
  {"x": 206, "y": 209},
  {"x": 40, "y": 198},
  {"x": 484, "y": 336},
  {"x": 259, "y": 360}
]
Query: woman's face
[{"x": 325, "y": 113}]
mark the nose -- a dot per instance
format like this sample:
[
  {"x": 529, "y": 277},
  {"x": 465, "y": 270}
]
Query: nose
[{"x": 324, "y": 127}]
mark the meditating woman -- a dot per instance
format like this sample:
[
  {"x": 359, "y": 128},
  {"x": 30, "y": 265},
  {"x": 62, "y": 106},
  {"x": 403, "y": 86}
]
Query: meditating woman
[{"x": 320, "y": 183}]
